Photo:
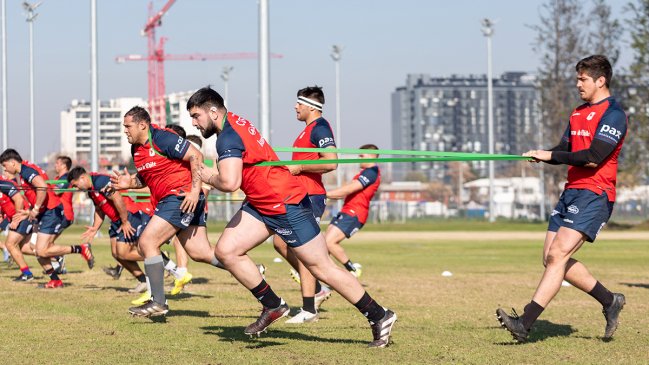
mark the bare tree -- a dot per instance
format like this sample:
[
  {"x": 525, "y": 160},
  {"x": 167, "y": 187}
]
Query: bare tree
[{"x": 605, "y": 32}]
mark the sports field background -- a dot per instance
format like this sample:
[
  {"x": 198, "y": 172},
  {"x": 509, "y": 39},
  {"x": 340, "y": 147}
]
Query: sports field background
[{"x": 441, "y": 319}]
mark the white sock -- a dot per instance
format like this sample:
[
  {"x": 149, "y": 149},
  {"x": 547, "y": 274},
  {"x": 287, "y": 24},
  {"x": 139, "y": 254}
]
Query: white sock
[
  {"x": 148, "y": 286},
  {"x": 181, "y": 271},
  {"x": 173, "y": 269}
]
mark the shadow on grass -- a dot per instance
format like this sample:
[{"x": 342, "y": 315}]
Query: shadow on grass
[
  {"x": 117, "y": 288},
  {"x": 200, "y": 280},
  {"x": 235, "y": 333},
  {"x": 188, "y": 313},
  {"x": 543, "y": 330},
  {"x": 185, "y": 295},
  {"x": 636, "y": 285}
]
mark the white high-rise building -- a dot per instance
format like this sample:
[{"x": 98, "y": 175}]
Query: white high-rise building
[
  {"x": 177, "y": 114},
  {"x": 113, "y": 145}
]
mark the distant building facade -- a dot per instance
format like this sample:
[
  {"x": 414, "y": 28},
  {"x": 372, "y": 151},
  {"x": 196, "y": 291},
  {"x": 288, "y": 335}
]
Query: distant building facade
[{"x": 450, "y": 114}]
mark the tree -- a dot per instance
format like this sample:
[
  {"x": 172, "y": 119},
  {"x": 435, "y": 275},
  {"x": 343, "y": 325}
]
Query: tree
[
  {"x": 633, "y": 164},
  {"x": 605, "y": 32}
]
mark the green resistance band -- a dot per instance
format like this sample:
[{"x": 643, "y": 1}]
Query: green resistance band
[{"x": 356, "y": 151}]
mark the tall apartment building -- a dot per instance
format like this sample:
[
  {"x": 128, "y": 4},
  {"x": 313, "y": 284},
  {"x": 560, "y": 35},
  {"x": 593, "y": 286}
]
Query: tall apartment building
[
  {"x": 450, "y": 114},
  {"x": 113, "y": 145}
]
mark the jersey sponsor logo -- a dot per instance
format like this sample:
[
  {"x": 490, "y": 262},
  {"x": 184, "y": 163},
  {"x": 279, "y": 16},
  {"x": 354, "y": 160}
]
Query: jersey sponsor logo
[
  {"x": 240, "y": 121},
  {"x": 178, "y": 144},
  {"x": 146, "y": 166},
  {"x": 612, "y": 131},
  {"x": 554, "y": 212},
  {"x": 31, "y": 177},
  {"x": 151, "y": 152},
  {"x": 324, "y": 141},
  {"x": 590, "y": 116},
  {"x": 283, "y": 231},
  {"x": 252, "y": 130},
  {"x": 581, "y": 132},
  {"x": 568, "y": 220},
  {"x": 573, "y": 209}
]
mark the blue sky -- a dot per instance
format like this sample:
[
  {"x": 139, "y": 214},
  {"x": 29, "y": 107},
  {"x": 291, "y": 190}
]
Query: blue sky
[{"x": 383, "y": 40}]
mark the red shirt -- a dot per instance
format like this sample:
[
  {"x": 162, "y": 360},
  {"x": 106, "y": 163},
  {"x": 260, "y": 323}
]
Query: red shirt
[
  {"x": 267, "y": 188},
  {"x": 160, "y": 165},
  {"x": 317, "y": 134},
  {"x": 358, "y": 203},
  {"x": 102, "y": 201},
  {"x": 605, "y": 121},
  {"x": 28, "y": 172}
]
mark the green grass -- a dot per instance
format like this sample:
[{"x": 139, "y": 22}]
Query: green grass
[{"x": 441, "y": 320}]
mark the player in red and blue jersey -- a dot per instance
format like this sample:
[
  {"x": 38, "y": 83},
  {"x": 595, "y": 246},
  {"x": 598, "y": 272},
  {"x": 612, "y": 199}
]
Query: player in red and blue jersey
[
  {"x": 169, "y": 165},
  {"x": 62, "y": 166},
  {"x": 46, "y": 211},
  {"x": 20, "y": 228},
  {"x": 276, "y": 203},
  {"x": 590, "y": 147},
  {"x": 316, "y": 134},
  {"x": 357, "y": 194}
]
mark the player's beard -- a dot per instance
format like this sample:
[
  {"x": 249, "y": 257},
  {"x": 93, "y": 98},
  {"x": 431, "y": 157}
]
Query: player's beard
[{"x": 210, "y": 130}]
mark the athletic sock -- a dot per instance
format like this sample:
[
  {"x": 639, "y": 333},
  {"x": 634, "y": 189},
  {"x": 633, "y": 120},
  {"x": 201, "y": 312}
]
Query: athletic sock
[
  {"x": 318, "y": 286},
  {"x": 75, "y": 249},
  {"x": 349, "y": 265},
  {"x": 172, "y": 268},
  {"x": 531, "y": 312},
  {"x": 5, "y": 252},
  {"x": 308, "y": 304},
  {"x": 370, "y": 308},
  {"x": 603, "y": 295},
  {"x": 55, "y": 265},
  {"x": 25, "y": 270},
  {"x": 52, "y": 274},
  {"x": 181, "y": 271},
  {"x": 141, "y": 278},
  {"x": 265, "y": 294},
  {"x": 216, "y": 263},
  {"x": 154, "y": 269}
]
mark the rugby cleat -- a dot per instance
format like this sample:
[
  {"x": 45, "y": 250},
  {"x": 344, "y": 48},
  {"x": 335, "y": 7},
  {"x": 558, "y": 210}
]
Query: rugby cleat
[
  {"x": 268, "y": 316},
  {"x": 149, "y": 309},
  {"x": 382, "y": 330},
  {"x": 24, "y": 278},
  {"x": 295, "y": 276},
  {"x": 303, "y": 317},
  {"x": 145, "y": 297},
  {"x": 321, "y": 296},
  {"x": 114, "y": 272},
  {"x": 179, "y": 284},
  {"x": 612, "y": 314},
  {"x": 141, "y": 287},
  {"x": 512, "y": 323},
  {"x": 86, "y": 252},
  {"x": 53, "y": 284}
]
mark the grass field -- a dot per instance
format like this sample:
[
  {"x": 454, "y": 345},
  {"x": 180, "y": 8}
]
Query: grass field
[{"x": 445, "y": 320}]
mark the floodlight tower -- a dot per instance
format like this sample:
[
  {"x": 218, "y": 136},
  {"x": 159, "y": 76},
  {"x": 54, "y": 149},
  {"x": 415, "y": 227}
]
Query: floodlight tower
[
  {"x": 5, "y": 114},
  {"x": 488, "y": 31},
  {"x": 30, "y": 17},
  {"x": 336, "y": 54}
]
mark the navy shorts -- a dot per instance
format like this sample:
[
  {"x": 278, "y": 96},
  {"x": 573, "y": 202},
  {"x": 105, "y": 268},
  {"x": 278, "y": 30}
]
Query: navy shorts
[
  {"x": 581, "y": 210},
  {"x": 51, "y": 221},
  {"x": 296, "y": 227},
  {"x": 138, "y": 221},
  {"x": 4, "y": 224},
  {"x": 24, "y": 228},
  {"x": 169, "y": 209},
  {"x": 348, "y": 224},
  {"x": 318, "y": 205},
  {"x": 65, "y": 223}
]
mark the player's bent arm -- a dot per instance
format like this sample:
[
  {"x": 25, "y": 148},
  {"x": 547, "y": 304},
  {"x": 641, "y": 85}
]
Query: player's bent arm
[
  {"x": 41, "y": 191},
  {"x": 120, "y": 206},
  {"x": 228, "y": 176},
  {"x": 18, "y": 201},
  {"x": 195, "y": 157},
  {"x": 591, "y": 157},
  {"x": 349, "y": 188},
  {"x": 322, "y": 168}
]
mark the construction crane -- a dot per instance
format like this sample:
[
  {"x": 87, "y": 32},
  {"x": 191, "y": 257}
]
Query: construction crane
[{"x": 156, "y": 57}]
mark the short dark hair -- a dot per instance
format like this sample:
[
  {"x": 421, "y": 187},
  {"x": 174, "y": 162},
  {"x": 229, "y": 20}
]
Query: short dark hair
[
  {"x": 369, "y": 146},
  {"x": 75, "y": 173},
  {"x": 313, "y": 93},
  {"x": 196, "y": 139},
  {"x": 596, "y": 66},
  {"x": 66, "y": 160},
  {"x": 178, "y": 130},
  {"x": 139, "y": 114},
  {"x": 10, "y": 154},
  {"x": 205, "y": 98}
]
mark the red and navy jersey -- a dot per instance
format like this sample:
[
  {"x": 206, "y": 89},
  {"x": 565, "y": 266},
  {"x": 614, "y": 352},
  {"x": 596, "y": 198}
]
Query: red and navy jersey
[
  {"x": 66, "y": 197},
  {"x": 28, "y": 172},
  {"x": 267, "y": 188},
  {"x": 160, "y": 166},
  {"x": 7, "y": 190},
  {"x": 317, "y": 134},
  {"x": 101, "y": 199},
  {"x": 358, "y": 203},
  {"x": 605, "y": 121}
]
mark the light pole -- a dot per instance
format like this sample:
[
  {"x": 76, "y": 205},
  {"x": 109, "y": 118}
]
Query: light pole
[
  {"x": 31, "y": 16},
  {"x": 5, "y": 114},
  {"x": 225, "y": 76},
  {"x": 264, "y": 70},
  {"x": 487, "y": 30},
  {"x": 336, "y": 52},
  {"x": 94, "y": 102}
]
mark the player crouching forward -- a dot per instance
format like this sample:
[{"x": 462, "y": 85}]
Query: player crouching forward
[
  {"x": 276, "y": 203},
  {"x": 357, "y": 193}
]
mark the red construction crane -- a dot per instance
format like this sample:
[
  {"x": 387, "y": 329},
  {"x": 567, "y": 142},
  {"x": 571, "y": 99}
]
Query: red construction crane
[{"x": 157, "y": 56}]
